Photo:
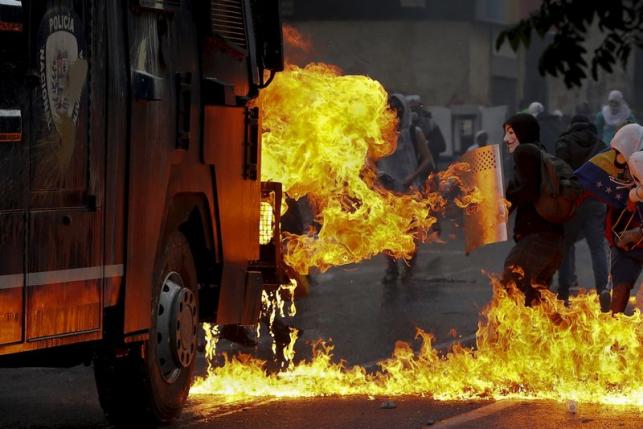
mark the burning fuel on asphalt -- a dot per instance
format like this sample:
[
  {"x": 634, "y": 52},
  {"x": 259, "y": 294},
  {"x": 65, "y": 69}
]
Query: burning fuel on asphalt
[{"x": 322, "y": 134}]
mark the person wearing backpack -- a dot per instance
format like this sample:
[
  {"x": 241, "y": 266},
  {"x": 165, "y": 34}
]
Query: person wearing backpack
[
  {"x": 429, "y": 127},
  {"x": 575, "y": 146},
  {"x": 538, "y": 251}
]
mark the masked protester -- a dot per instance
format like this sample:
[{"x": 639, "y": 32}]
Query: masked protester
[
  {"x": 607, "y": 177},
  {"x": 613, "y": 115},
  {"x": 575, "y": 146},
  {"x": 538, "y": 251}
]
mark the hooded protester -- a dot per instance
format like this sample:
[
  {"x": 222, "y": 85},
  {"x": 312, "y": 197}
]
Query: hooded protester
[
  {"x": 404, "y": 167},
  {"x": 537, "y": 254},
  {"x": 627, "y": 140},
  {"x": 606, "y": 177},
  {"x": 429, "y": 127},
  {"x": 407, "y": 167},
  {"x": 535, "y": 109},
  {"x": 613, "y": 115},
  {"x": 481, "y": 139},
  {"x": 575, "y": 146},
  {"x": 550, "y": 126}
]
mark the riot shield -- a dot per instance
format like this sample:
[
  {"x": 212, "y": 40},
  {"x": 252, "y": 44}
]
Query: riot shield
[{"x": 487, "y": 222}]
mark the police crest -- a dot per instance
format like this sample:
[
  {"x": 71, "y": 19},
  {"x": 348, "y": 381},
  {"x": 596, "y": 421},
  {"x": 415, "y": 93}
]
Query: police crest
[{"x": 62, "y": 72}]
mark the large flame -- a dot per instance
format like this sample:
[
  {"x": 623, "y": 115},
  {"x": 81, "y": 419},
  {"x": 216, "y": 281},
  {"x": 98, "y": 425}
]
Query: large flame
[
  {"x": 323, "y": 132},
  {"x": 545, "y": 352},
  {"x": 293, "y": 39}
]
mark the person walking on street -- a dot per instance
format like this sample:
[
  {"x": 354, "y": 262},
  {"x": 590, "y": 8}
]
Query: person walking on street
[
  {"x": 613, "y": 115},
  {"x": 407, "y": 167},
  {"x": 481, "y": 140},
  {"x": 550, "y": 126},
  {"x": 429, "y": 127},
  {"x": 536, "y": 109},
  {"x": 538, "y": 251},
  {"x": 608, "y": 178},
  {"x": 575, "y": 146}
]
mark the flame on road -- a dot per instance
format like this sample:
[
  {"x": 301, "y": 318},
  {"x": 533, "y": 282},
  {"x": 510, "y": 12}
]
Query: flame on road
[
  {"x": 546, "y": 352},
  {"x": 322, "y": 134}
]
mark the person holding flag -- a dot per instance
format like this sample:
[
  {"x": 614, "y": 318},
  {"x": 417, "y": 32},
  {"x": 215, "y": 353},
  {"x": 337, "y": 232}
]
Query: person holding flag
[{"x": 606, "y": 177}]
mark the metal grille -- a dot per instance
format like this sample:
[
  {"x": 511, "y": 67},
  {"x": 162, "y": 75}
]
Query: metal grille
[
  {"x": 226, "y": 17},
  {"x": 480, "y": 160},
  {"x": 266, "y": 223}
]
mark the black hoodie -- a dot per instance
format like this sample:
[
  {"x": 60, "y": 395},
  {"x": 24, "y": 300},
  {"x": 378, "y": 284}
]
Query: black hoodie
[
  {"x": 578, "y": 144},
  {"x": 524, "y": 189}
]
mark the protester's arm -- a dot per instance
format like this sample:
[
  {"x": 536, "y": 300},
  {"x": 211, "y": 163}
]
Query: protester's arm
[
  {"x": 525, "y": 187},
  {"x": 426, "y": 164},
  {"x": 629, "y": 238},
  {"x": 562, "y": 150}
]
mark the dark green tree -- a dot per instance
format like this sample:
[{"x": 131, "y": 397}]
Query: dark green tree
[{"x": 619, "y": 21}]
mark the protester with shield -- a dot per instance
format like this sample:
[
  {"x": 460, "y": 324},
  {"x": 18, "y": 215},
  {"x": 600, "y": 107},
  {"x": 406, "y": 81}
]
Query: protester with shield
[{"x": 538, "y": 251}]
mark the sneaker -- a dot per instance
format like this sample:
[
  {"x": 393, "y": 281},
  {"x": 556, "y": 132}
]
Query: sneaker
[
  {"x": 563, "y": 295},
  {"x": 605, "y": 299}
]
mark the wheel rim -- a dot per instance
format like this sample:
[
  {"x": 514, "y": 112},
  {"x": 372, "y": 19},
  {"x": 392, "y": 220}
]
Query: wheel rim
[{"x": 176, "y": 326}]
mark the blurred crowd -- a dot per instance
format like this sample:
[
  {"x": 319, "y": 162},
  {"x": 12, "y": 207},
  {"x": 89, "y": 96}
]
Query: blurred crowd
[{"x": 574, "y": 177}]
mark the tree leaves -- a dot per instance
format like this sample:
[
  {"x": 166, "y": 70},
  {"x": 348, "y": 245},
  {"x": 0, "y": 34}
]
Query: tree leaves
[{"x": 620, "y": 21}]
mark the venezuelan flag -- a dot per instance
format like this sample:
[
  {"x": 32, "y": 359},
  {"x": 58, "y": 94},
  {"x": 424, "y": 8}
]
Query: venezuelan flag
[{"x": 600, "y": 178}]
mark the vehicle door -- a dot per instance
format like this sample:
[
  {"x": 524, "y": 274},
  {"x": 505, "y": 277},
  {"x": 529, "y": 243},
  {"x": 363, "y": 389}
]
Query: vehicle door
[{"x": 65, "y": 172}]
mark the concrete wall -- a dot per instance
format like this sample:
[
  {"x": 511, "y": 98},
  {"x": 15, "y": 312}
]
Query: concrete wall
[
  {"x": 593, "y": 92},
  {"x": 445, "y": 62},
  {"x": 479, "y": 68}
]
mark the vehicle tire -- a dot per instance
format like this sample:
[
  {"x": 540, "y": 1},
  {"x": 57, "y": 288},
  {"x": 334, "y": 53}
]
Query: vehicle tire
[{"x": 148, "y": 384}]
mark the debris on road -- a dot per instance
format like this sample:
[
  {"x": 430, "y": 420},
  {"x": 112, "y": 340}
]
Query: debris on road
[
  {"x": 572, "y": 406},
  {"x": 388, "y": 405}
]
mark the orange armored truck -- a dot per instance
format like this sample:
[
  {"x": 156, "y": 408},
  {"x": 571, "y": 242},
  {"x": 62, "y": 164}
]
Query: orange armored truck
[{"x": 130, "y": 187}]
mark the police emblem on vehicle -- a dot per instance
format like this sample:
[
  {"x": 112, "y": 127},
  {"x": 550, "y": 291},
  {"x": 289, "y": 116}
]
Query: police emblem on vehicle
[{"x": 63, "y": 72}]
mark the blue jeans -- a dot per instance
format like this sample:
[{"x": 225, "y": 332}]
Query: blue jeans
[{"x": 588, "y": 222}]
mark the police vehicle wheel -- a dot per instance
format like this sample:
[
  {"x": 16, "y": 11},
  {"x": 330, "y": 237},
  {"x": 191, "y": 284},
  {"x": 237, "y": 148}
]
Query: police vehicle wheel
[{"x": 150, "y": 385}]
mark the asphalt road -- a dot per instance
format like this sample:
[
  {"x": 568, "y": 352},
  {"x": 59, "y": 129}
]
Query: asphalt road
[
  {"x": 364, "y": 317},
  {"x": 414, "y": 413}
]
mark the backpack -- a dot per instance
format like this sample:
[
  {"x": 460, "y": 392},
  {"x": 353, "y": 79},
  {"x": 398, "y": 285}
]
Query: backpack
[
  {"x": 559, "y": 189},
  {"x": 433, "y": 133}
]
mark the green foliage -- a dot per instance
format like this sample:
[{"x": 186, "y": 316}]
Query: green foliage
[{"x": 620, "y": 23}]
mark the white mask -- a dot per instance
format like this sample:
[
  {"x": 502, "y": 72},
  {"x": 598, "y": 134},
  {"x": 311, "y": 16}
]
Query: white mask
[{"x": 511, "y": 139}]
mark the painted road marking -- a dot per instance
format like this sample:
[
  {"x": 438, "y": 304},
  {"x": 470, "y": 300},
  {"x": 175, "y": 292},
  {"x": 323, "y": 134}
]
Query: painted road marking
[
  {"x": 197, "y": 411},
  {"x": 476, "y": 414}
]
